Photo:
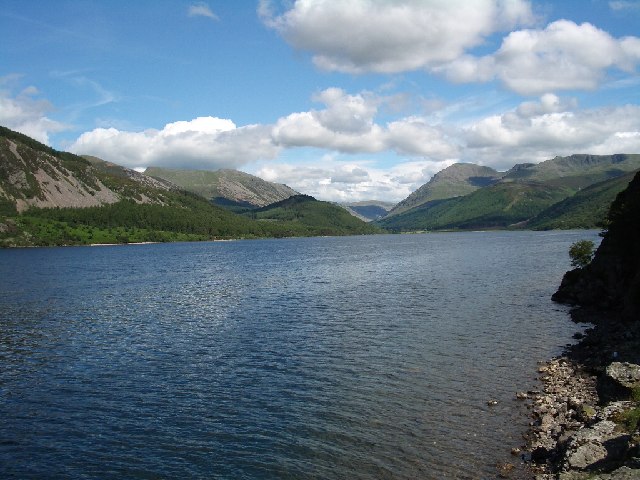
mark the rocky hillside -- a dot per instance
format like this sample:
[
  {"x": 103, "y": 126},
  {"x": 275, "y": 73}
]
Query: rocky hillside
[
  {"x": 49, "y": 197},
  {"x": 454, "y": 181},
  {"x": 34, "y": 175},
  {"x": 227, "y": 188},
  {"x": 127, "y": 173}
]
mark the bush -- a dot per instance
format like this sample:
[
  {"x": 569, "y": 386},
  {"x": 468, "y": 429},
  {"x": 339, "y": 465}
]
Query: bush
[{"x": 581, "y": 253}]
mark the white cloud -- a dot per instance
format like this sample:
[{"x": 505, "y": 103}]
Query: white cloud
[
  {"x": 205, "y": 142},
  {"x": 563, "y": 56},
  {"x": 339, "y": 181},
  {"x": 534, "y": 132},
  {"x": 622, "y": 5},
  {"x": 201, "y": 9},
  {"x": 348, "y": 125},
  {"x": 27, "y": 114},
  {"x": 390, "y": 36},
  {"x": 414, "y": 136}
]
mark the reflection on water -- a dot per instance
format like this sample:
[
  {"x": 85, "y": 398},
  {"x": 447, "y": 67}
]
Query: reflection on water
[{"x": 360, "y": 357}]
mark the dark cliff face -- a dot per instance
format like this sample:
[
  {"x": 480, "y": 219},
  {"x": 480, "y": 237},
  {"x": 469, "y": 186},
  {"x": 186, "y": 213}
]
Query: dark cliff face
[{"x": 612, "y": 280}]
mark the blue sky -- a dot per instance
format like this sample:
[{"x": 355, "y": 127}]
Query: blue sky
[{"x": 349, "y": 100}]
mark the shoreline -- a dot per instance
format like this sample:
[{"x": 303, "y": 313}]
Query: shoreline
[{"x": 577, "y": 429}]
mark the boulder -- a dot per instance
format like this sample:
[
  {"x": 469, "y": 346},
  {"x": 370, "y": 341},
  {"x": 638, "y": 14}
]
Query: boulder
[
  {"x": 587, "y": 455},
  {"x": 624, "y": 374}
]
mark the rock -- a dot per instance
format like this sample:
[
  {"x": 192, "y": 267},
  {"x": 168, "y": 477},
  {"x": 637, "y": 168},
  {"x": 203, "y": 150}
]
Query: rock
[
  {"x": 625, "y": 374},
  {"x": 586, "y": 455},
  {"x": 522, "y": 396},
  {"x": 540, "y": 455},
  {"x": 591, "y": 447},
  {"x": 492, "y": 403},
  {"x": 505, "y": 469}
]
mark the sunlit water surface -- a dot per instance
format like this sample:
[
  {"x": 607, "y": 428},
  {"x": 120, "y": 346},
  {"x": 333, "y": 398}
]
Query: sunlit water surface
[{"x": 334, "y": 358}]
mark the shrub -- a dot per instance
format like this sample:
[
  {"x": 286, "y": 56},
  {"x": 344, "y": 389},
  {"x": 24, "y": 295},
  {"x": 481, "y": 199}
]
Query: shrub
[{"x": 581, "y": 253}]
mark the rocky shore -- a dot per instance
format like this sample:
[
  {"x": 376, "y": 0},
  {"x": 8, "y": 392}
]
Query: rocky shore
[{"x": 585, "y": 421}]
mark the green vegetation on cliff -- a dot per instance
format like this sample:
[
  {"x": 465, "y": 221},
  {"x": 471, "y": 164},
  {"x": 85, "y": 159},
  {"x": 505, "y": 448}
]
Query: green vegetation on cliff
[{"x": 612, "y": 279}]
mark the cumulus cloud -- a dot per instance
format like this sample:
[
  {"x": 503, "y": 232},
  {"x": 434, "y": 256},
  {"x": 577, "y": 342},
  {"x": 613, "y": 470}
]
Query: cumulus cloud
[
  {"x": 563, "y": 56},
  {"x": 390, "y": 36},
  {"x": 331, "y": 179},
  {"x": 537, "y": 131},
  {"x": 205, "y": 142},
  {"x": 26, "y": 113},
  {"x": 347, "y": 124},
  {"x": 201, "y": 9}
]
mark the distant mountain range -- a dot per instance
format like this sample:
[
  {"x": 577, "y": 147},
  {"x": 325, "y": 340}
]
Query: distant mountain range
[
  {"x": 564, "y": 192},
  {"x": 368, "y": 210},
  {"x": 227, "y": 188},
  {"x": 48, "y": 197}
]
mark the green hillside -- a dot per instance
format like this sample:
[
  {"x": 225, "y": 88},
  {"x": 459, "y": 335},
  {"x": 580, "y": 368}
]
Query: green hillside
[
  {"x": 497, "y": 206},
  {"x": 522, "y": 194},
  {"x": 454, "y": 181},
  {"x": 304, "y": 215},
  {"x": 578, "y": 170},
  {"x": 586, "y": 209}
]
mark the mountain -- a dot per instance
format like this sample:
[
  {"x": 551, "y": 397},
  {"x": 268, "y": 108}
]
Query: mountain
[
  {"x": 454, "y": 181},
  {"x": 586, "y": 209},
  {"x": 497, "y": 206},
  {"x": 304, "y": 215},
  {"x": 35, "y": 175},
  {"x": 226, "y": 188},
  {"x": 521, "y": 194},
  {"x": 368, "y": 210},
  {"x": 124, "y": 172},
  {"x": 49, "y": 197},
  {"x": 577, "y": 170}
]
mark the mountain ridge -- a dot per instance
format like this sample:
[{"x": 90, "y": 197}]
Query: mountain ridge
[
  {"x": 520, "y": 194},
  {"x": 58, "y": 198},
  {"x": 225, "y": 187},
  {"x": 456, "y": 180}
]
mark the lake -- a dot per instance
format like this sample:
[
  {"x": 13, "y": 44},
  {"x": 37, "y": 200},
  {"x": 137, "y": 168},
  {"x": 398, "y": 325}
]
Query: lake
[{"x": 356, "y": 357}]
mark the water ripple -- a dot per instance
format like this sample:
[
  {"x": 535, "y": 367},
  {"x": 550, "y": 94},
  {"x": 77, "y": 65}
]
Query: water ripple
[{"x": 363, "y": 357}]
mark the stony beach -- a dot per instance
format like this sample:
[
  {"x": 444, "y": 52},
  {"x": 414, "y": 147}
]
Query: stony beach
[{"x": 582, "y": 420}]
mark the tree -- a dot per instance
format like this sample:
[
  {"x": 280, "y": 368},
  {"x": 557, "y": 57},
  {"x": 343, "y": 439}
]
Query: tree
[{"x": 581, "y": 253}]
